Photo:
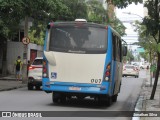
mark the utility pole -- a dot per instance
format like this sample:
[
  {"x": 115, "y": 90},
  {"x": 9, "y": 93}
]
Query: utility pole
[{"x": 25, "y": 41}]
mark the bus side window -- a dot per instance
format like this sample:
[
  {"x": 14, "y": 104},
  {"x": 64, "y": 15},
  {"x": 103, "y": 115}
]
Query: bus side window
[
  {"x": 114, "y": 47},
  {"x": 117, "y": 49},
  {"x": 120, "y": 48}
]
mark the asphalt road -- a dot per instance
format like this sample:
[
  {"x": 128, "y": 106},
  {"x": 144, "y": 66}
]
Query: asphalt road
[{"x": 23, "y": 100}]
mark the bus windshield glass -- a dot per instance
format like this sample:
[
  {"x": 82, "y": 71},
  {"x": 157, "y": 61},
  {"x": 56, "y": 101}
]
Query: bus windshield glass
[{"x": 83, "y": 40}]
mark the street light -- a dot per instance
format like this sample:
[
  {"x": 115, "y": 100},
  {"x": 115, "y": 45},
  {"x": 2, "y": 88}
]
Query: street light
[{"x": 129, "y": 13}]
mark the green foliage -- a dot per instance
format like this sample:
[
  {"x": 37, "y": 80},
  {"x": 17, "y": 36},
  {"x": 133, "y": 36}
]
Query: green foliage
[
  {"x": 10, "y": 17},
  {"x": 129, "y": 56},
  {"x": 144, "y": 55},
  {"x": 145, "y": 40},
  {"x": 152, "y": 20},
  {"x": 153, "y": 68},
  {"x": 12, "y": 12},
  {"x": 123, "y": 3},
  {"x": 118, "y": 26},
  {"x": 37, "y": 34},
  {"x": 158, "y": 47},
  {"x": 75, "y": 9},
  {"x": 96, "y": 12}
]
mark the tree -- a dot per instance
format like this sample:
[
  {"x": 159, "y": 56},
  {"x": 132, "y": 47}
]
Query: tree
[
  {"x": 129, "y": 56},
  {"x": 13, "y": 12},
  {"x": 152, "y": 25},
  {"x": 37, "y": 34},
  {"x": 145, "y": 40},
  {"x": 96, "y": 11},
  {"x": 10, "y": 18},
  {"x": 76, "y": 9},
  {"x": 152, "y": 22},
  {"x": 123, "y": 3}
]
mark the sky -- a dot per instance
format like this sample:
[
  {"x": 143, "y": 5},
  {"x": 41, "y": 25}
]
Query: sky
[{"x": 128, "y": 19}]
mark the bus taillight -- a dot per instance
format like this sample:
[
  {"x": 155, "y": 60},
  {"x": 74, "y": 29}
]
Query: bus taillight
[
  {"x": 45, "y": 72},
  {"x": 108, "y": 72}
]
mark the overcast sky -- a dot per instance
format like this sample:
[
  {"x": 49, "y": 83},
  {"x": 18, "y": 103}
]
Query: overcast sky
[{"x": 128, "y": 19}]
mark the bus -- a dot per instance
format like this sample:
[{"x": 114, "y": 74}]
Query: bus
[{"x": 82, "y": 60}]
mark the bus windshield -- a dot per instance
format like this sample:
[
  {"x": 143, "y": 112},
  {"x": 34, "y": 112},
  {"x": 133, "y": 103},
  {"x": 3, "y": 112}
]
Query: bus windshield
[{"x": 83, "y": 39}]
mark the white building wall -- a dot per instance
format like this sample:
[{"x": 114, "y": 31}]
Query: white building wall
[{"x": 15, "y": 49}]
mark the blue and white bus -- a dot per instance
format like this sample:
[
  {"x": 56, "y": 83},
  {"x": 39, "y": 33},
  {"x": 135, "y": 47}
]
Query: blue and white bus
[{"x": 81, "y": 60}]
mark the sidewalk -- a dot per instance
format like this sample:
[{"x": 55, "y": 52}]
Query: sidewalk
[
  {"x": 10, "y": 83},
  {"x": 145, "y": 104}
]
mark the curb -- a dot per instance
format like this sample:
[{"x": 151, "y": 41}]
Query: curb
[
  {"x": 140, "y": 103},
  {"x": 7, "y": 79},
  {"x": 12, "y": 88}
]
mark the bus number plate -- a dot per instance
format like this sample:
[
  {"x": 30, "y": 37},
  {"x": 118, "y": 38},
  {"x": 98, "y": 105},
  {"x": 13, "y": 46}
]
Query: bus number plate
[{"x": 75, "y": 88}]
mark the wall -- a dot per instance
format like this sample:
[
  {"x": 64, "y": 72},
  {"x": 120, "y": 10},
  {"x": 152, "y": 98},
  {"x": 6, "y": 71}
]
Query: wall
[
  {"x": 15, "y": 49},
  {"x": 1, "y": 58}
]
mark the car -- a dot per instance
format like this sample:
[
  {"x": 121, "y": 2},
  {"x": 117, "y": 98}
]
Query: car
[
  {"x": 35, "y": 73},
  {"x": 145, "y": 66},
  {"x": 130, "y": 70}
]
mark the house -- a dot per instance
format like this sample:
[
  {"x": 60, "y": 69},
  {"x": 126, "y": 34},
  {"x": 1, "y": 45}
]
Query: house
[{"x": 15, "y": 49}]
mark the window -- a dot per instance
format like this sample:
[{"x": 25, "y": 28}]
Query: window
[
  {"x": 37, "y": 62},
  {"x": 83, "y": 39},
  {"x": 117, "y": 48},
  {"x": 114, "y": 47}
]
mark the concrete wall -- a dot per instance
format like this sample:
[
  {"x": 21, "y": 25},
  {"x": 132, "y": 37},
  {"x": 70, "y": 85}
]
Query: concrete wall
[
  {"x": 1, "y": 57},
  {"x": 35, "y": 47},
  {"x": 15, "y": 49}
]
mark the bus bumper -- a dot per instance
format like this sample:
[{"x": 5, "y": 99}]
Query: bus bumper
[{"x": 50, "y": 86}]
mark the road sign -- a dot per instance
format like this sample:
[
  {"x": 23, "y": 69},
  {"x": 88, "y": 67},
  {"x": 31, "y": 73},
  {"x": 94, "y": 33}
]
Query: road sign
[
  {"x": 140, "y": 50},
  {"x": 25, "y": 40}
]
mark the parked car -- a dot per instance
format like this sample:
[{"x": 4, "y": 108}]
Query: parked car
[
  {"x": 145, "y": 66},
  {"x": 130, "y": 70},
  {"x": 35, "y": 74}
]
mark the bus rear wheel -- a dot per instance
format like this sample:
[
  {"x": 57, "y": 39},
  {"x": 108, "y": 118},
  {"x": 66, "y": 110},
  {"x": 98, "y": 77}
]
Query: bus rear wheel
[
  {"x": 114, "y": 98},
  {"x": 109, "y": 101},
  {"x": 58, "y": 97},
  {"x": 55, "y": 97}
]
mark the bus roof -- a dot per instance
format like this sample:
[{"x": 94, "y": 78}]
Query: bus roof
[{"x": 88, "y": 23}]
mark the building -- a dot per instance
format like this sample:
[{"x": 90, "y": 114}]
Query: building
[
  {"x": 15, "y": 49},
  {"x": 10, "y": 49}
]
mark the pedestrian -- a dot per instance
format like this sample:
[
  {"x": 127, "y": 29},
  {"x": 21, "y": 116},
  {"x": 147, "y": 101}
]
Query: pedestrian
[
  {"x": 28, "y": 65},
  {"x": 18, "y": 67}
]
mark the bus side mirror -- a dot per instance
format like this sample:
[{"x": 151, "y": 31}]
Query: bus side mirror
[{"x": 124, "y": 50}]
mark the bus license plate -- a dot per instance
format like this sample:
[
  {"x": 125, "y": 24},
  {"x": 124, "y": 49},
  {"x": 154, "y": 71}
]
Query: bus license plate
[{"x": 75, "y": 88}]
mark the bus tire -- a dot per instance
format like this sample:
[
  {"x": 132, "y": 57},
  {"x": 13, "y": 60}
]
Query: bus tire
[
  {"x": 55, "y": 97},
  {"x": 63, "y": 98},
  {"x": 109, "y": 101},
  {"x": 114, "y": 98}
]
